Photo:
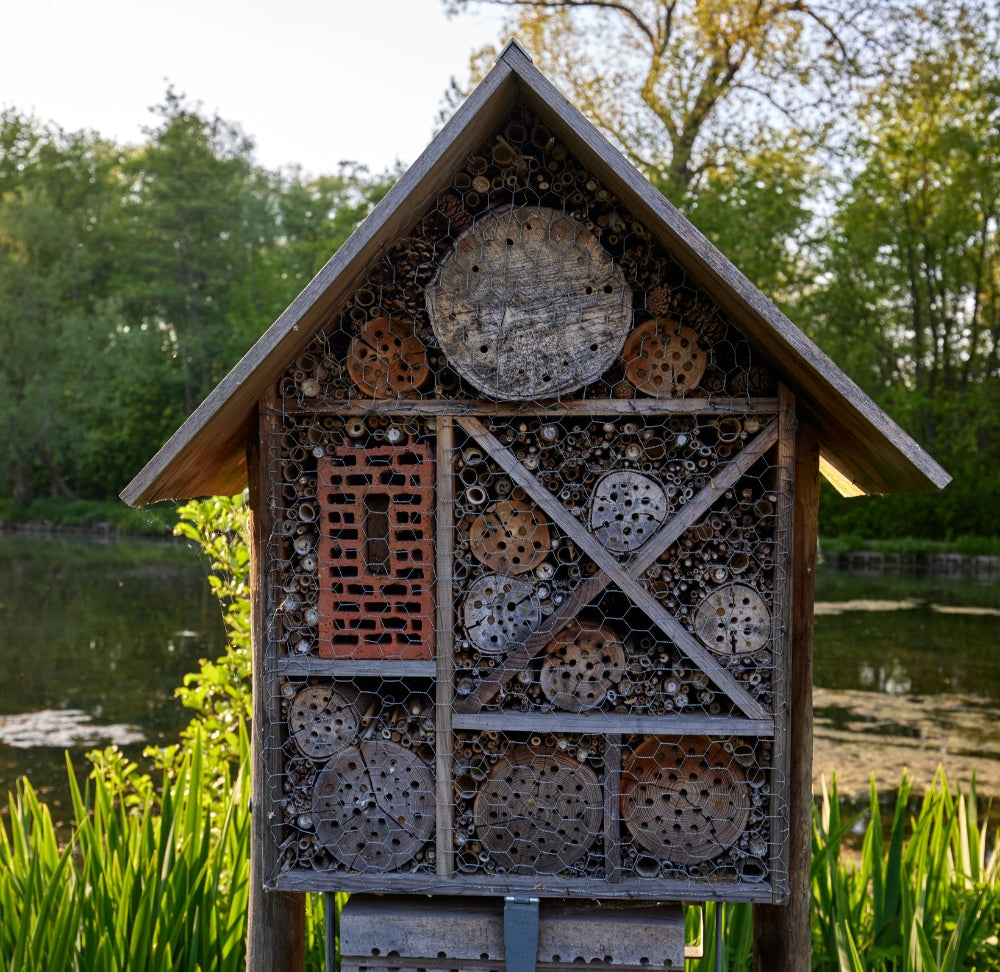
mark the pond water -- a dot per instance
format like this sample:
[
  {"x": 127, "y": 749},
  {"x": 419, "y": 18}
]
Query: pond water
[
  {"x": 907, "y": 673},
  {"x": 96, "y": 637}
]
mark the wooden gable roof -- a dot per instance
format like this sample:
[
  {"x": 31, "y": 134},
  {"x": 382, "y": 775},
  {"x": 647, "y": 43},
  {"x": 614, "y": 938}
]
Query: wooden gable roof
[{"x": 862, "y": 449}]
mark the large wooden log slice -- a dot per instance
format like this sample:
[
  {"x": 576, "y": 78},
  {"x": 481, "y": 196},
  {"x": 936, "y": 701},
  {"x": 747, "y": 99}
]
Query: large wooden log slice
[
  {"x": 686, "y": 801},
  {"x": 373, "y": 806},
  {"x": 538, "y": 812},
  {"x": 529, "y": 305}
]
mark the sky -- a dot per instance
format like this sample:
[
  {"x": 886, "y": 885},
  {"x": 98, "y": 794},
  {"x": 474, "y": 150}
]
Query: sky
[{"x": 313, "y": 83}]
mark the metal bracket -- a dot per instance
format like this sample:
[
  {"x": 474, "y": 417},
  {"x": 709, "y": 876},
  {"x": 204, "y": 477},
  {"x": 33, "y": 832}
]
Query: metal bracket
[{"x": 520, "y": 933}]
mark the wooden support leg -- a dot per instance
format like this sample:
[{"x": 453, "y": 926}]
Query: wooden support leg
[
  {"x": 276, "y": 923},
  {"x": 782, "y": 936}
]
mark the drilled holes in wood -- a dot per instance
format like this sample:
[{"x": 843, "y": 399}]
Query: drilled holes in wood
[
  {"x": 500, "y": 611},
  {"x": 664, "y": 358},
  {"x": 373, "y": 806},
  {"x": 510, "y": 537},
  {"x": 684, "y": 802},
  {"x": 733, "y": 620},
  {"x": 627, "y": 508},
  {"x": 529, "y": 304},
  {"x": 386, "y": 359},
  {"x": 324, "y": 718},
  {"x": 538, "y": 812},
  {"x": 582, "y": 665}
]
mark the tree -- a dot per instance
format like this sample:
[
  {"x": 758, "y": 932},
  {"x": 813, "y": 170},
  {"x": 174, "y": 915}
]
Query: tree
[
  {"x": 719, "y": 103},
  {"x": 313, "y": 218},
  {"x": 683, "y": 86},
  {"x": 910, "y": 298},
  {"x": 53, "y": 190},
  {"x": 194, "y": 209}
]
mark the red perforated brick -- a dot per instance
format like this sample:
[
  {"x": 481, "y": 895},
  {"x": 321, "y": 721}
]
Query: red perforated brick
[{"x": 377, "y": 553}]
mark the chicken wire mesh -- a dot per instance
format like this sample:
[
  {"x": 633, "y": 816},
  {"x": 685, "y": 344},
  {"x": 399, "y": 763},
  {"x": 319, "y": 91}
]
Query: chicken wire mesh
[{"x": 529, "y": 495}]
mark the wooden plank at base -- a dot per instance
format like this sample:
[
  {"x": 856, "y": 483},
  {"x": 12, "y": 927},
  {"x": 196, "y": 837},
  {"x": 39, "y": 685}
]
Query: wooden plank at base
[{"x": 442, "y": 933}]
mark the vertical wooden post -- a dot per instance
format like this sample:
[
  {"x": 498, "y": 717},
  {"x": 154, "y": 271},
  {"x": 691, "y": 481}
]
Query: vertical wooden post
[
  {"x": 782, "y": 936},
  {"x": 276, "y": 921}
]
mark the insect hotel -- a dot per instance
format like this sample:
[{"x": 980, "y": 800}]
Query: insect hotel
[{"x": 534, "y": 478}]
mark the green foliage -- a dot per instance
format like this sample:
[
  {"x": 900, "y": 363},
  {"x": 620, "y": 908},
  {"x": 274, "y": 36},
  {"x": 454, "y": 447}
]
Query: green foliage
[{"x": 924, "y": 897}]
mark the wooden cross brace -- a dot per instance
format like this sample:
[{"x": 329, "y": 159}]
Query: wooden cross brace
[{"x": 627, "y": 575}]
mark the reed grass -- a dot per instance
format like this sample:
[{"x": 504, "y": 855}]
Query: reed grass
[
  {"x": 922, "y": 896},
  {"x": 158, "y": 887}
]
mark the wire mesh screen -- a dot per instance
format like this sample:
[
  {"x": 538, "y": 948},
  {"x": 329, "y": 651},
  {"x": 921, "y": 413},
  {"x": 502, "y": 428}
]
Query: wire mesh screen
[{"x": 528, "y": 573}]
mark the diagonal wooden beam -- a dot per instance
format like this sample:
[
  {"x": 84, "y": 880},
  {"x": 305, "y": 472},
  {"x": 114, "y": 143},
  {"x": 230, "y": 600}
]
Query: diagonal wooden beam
[
  {"x": 671, "y": 531},
  {"x": 624, "y": 576}
]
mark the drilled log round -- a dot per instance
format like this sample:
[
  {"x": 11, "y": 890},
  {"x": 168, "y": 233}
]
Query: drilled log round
[
  {"x": 386, "y": 359},
  {"x": 529, "y": 305},
  {"x": 627, "y": 508},
  {"x": 510, "y": 537},
  {"x": 582, "y": 664},
  {"x": 663, "y": 358},
  {"x": 538, "y": 811},
  {"x": 373, "y": 806},
  {"x": 500, "y": 612},
  {"x": 733, "y": 620},
  {"x": 324, "y": 719},
  {"x": 685, "y": 801}
]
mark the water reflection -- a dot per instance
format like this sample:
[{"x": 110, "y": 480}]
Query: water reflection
[
  {"x": 907, "y": 674},
  {"x": 895, "y": 681},
  {"x": 907, "y": 666},
  {"x": 96, "y": 637}
]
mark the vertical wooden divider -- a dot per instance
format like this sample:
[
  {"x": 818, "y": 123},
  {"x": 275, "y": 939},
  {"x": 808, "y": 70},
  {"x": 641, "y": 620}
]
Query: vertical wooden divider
[
  {"x": 276, "y": 924},
  {"x": 444, "y": 644},
  {"x": 612, "y": 808}
]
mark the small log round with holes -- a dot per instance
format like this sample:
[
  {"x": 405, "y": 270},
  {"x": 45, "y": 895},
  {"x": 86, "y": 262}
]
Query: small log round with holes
[
  {"x": 373, "y": 806},
  {"x": 529, "y": 305},
  {"x": 511, "y": 537},
  {"x": 500, "y": 612},
  {"x": 538, "y": 811},
  {"x": 325, "y": 718},
  {"x": 733, "y": 620},
  {"x": 627, "y": 508},
  {"x": 582, "y": 664},
  {"x": 663, "y": 358},
  {"x": 684, "y": 801},
  {"x": 386, "y": 359}
]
